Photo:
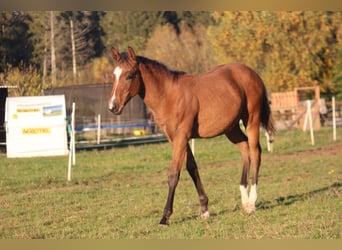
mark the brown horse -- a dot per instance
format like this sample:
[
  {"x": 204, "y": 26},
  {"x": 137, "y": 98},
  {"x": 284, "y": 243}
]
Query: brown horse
[{"x": 197, "y": 106}]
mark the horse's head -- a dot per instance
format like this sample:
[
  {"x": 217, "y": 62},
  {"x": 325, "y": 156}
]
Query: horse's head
[{"x": 126, "y": 80}]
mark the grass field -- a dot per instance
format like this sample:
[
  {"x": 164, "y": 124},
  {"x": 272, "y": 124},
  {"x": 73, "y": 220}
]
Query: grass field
[{"x": 120, "y": 193}]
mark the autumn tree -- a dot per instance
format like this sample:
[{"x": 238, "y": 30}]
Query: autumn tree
[
  {"x": 26, "y": 79},
  {"x": 288, "y": 49},
  {"x": 188, "y": 51},
  {"x": 337, "y": 75},
  {"x": 134, "y": 28}
]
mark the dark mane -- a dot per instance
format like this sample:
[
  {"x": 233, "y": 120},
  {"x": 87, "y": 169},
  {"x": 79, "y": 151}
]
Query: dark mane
[
  {"x": 159, "y": 65},
  {"x": 154, "y": 63}
]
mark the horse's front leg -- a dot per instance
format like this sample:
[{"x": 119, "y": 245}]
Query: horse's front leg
[
  {"x": 178, "y": 157},
  {"x": 191, "y": 166}
]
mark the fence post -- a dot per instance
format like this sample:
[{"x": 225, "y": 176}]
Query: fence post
[
  {"x": 98, "y": 128},
  {"x": 269, "y": 142},
  {"x": 72, "y": 157},
  {"x": 334, "y": 117},
  {"x": 73, "y": 134},
  {"x": 310, "y": 122},
  {"x": 193, "y": 146}
]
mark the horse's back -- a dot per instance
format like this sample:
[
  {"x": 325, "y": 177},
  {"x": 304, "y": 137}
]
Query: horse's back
[
  {"x": 227, "y": 94},
  {"x": 233, "y": 81},
  {"x": 234, "y": 73}
]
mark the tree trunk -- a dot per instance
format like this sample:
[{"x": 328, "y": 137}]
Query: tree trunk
[
  {"x": 74, "y": 64},
  {"x": 44, "y": 61},
  {"x": 53, "y": 53}
]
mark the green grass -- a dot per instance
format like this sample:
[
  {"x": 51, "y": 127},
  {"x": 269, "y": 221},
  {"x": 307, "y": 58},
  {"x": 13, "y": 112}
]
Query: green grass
[{"x": 120, "y": 193}]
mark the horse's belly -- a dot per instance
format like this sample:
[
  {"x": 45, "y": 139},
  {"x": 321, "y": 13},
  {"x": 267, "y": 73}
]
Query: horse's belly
[
  {"x": 218, "y": 120},
  {"x": 219, "y": 109},
  {"x": 214, "y": 129}
]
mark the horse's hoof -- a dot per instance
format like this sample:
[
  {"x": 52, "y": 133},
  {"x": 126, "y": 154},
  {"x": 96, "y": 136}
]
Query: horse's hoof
[
  {"x": 205, "y": 215},
  {"x": 164, "y": 222},
  {"x": 248, "y": 207}
]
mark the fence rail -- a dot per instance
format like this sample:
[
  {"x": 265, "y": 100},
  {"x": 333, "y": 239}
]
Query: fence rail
[{"x": 113, "y": 126}]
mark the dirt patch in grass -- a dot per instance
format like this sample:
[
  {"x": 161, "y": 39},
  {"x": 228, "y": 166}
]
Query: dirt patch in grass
[
  {"x": 321, "y": 151},
  {"x": 325, "y": 150}
]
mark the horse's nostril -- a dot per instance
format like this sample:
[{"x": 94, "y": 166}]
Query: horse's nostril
[{"x": 113, "y": 107}]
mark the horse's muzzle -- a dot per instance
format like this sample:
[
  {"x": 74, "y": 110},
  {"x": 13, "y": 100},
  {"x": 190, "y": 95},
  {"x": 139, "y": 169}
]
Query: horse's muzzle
[{"x": 114, "y": 108}]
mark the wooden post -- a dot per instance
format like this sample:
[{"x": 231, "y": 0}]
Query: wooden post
[
  {"x": 98, "y": 128},
  {"x": 72, "y": 157},
  {"x": 334, "y": 117},
  {"x": 269, "y": 142},
  {"x": 193, "y": 146},
  {"x": 305, "y": 124},
  {"x": 310, "y": 122},
  {"x": 73, "y": 134}
]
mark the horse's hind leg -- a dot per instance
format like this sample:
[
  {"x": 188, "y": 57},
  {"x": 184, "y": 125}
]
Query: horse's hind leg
[
  {"x": 191, "y": 166},
  {"x": 253, "y": 130},
  {"x": 237, "y": 137}
]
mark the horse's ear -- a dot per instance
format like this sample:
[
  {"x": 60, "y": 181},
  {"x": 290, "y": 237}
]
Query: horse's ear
[
  {"x": 115, "y": 54},
  {"x": 131, "y": 54}
]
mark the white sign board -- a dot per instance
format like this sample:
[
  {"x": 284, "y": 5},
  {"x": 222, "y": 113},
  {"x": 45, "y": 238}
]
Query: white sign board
[{"x": 36, "y": 126}]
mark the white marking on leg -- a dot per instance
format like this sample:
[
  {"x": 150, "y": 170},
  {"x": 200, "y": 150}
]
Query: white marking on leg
[
  {"x": 244, "y": 194},
  {"x": 253, "y": 194},
  {"x": 205, "y": 215},
  {"x": 249, "y": 206}
]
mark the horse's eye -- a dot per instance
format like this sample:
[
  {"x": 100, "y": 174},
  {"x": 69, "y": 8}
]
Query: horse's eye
[{"x": 130, "y": 76}]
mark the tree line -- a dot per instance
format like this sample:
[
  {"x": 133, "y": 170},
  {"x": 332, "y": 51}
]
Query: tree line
[{"x": 47, "y": 49}]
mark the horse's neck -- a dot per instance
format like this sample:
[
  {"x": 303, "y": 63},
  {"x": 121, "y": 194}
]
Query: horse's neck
[{"x": 154, "y": 87}]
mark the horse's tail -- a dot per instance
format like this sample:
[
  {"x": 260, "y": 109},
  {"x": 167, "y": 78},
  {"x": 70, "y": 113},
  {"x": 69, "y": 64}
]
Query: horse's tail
[{"x": 266, "y": 115}]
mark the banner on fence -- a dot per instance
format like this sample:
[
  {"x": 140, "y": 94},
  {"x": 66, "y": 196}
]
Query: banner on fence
[{"x": 36, "y": 126}]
